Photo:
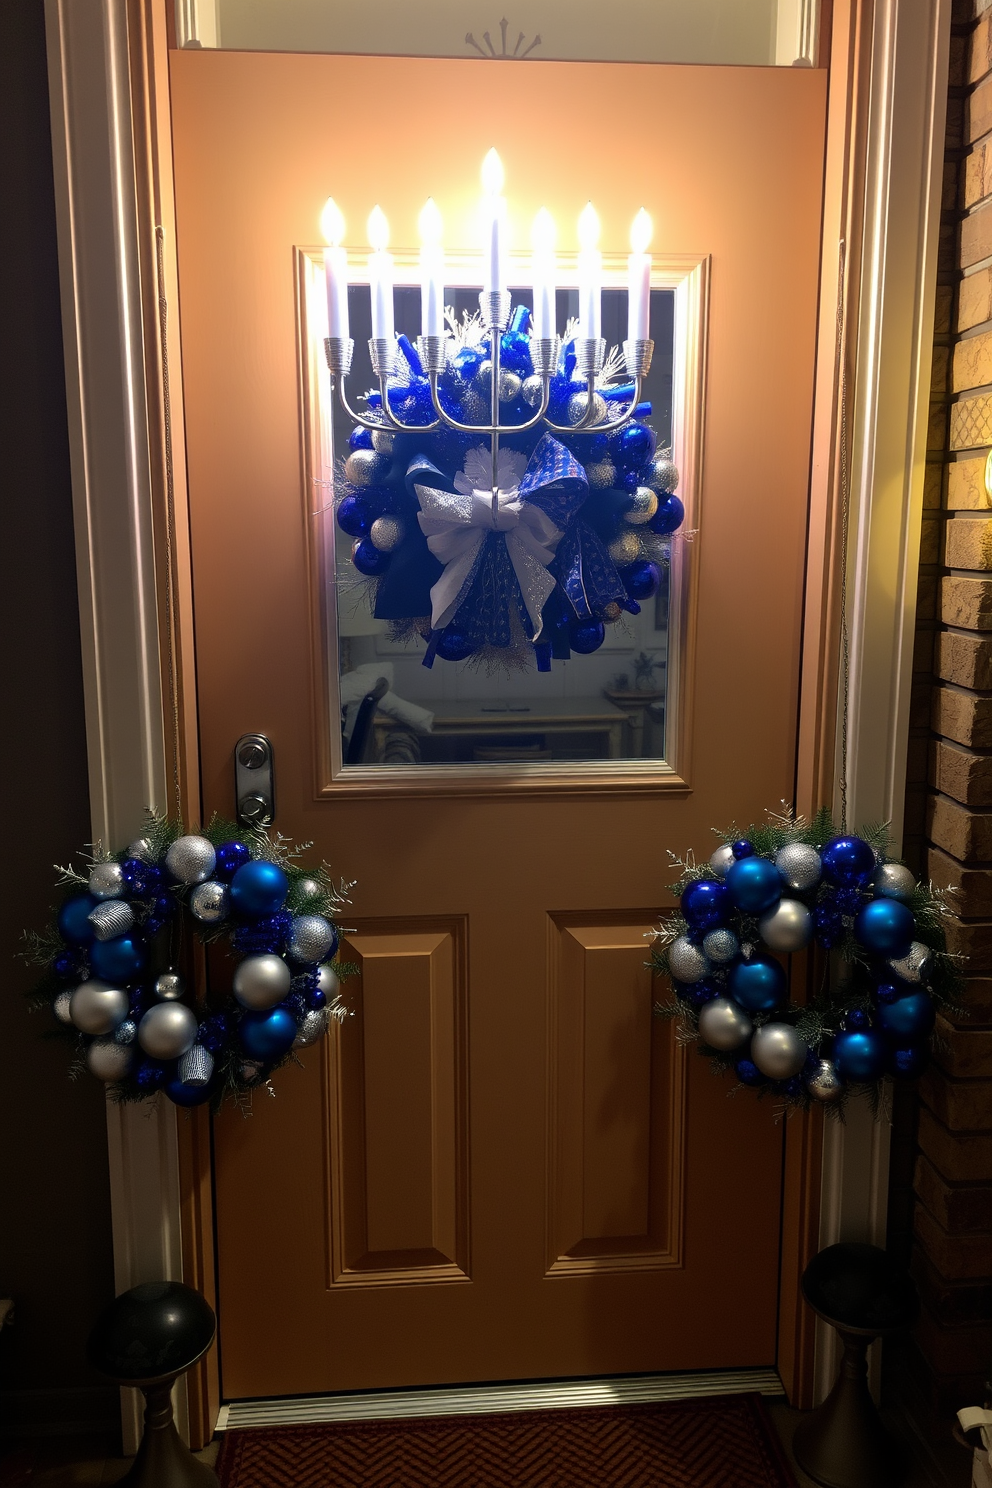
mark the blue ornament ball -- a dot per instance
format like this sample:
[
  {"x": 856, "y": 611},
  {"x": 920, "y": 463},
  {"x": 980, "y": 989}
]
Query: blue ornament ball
[
  {"x": 259, "y": 888},
  {"x": 119, "y": 959},
  {"x": 742, "y": 848},
  {"x": 66, "y": 966},
  {"x": 759, "y": 984},
  {"x": 454, "y": 644},
  {"x": 669, "y": 516},
  {"x": 181, "y": 1094},
  {"x": 748, "y": 1072},
  {"x": 641, "y": 579},
  {"x": 151, "y": 1074},
  {"x": 893, "y": 990},
  {"x": 755, "y": 884},
  {"x": 856, "y": 1018},
  {"x": 909, "y": 1062},
  {"x": 704, "y": 991},
  {"x": 230, "y": 857},
  {"x": 267, "y": 1034},
  {"x": 886, "y": 927},
  {"x": 909, "y": 1019},
  {"x": 354, "y": 517},
  {"x": 847, "y": 861},
  {"x": 706, "y": 904},
  {"x": 74, "y": 924},
  {"x": 629, "y": 480},
  {"x": 213, "y": 1033},
  {"x": 368, "y": 559},
  {"x": 586, "y": 636},
  {"x": 637, "y": 444},
  {"x": 860, "y": 1055},
  {"x": 360, "y": 439}
]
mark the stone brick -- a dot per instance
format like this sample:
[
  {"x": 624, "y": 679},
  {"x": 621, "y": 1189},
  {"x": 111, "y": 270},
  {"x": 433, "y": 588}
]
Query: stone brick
[
  {"x": 965, "y": 660},
  {"x": 964, "y": 1053},
  {"x": 976, "y": 1002},
  {"x": 979, "y": 51},
  {"x": 971, "y": 420},
  {"x": 960, "y": 1209},
  {"x": 969, "y": 543},
  {"x": 951, "y": 1302},
  {"x": 966, "y": 602},
  {"x": 966, "y": 486},
  {"x": 976, "y": 177},
  {"x": 972, "y": 366},
  {"x": 962, "y": 716},
  {"x": 978, "y": 111},
  {"x": 970, "y": 939},
  {"x": 962, "y": 1105},
  {"x": 966, "y": 835},
  {"x": 962, "y": 1157},
  {"x": 972, "y": 886},
  {"x": 953, "y": 1350},
  {"x": 975, "y": 295},
  {"x": 976, "y": 236},
  {"x": 956, "y": 1257},
  {"x": 963, "y": 774}
]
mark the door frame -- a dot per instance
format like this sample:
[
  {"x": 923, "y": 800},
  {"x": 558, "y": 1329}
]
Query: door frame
[{"x": 108, "y": 71}]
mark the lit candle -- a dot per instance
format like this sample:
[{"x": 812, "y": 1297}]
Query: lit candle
[
  {"x": 639, "y": 279},
  {"x": 494, "y": 223},
  {"x": 335, "y": 269},
  {"x": 590, "y": 275},
  {"x": 431, "y": 271},
  {"x": 542, "y": 237},
  {"x": 380, "y": 276}
]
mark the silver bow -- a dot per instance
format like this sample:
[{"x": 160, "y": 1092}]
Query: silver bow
[{"x": 456, "y": 524}]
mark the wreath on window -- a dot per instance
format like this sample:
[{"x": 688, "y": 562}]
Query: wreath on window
[
  {"x": 770, "y": 892},
  {"x": 110, "y": 956}
]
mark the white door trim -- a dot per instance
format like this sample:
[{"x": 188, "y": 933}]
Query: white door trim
[{"x": 96, "y": 178}]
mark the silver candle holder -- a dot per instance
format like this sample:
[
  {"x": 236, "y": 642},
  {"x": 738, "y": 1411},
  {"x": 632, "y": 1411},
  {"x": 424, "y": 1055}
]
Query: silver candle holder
[{"x": 496, "y": 308}]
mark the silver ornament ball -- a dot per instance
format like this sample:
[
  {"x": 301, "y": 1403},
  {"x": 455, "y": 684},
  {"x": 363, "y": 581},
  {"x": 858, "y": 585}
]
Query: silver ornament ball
[
  {"x": 483, "y": 374},
  {"x": 109, "y": 1060},
  {"x": 663, "y": 476},
  {"x": 309, "y": 888},
  {"x": 169, "y": 987},
  {"x": 62, "y": 1007},
  {"x": 261, "y": 981},
  {"x": 327, "y": 982},
  {"x": 915, "y": 965},
  {"x": 722, "y": 860},
  {"x": 196, "y": 1066},
  {"x": 141, "y": 849},
  {"x": 720, "y": 945},
  {"x": 686, "y": 961},
  {"x": 382, "y": 441},
  {"x": 893, "y": 881},
  {"x": 533, "y": 391},
  {"x": 778, "y": 1051},
  {"x": 579, "y": 402},
  {"x": 167, "y": 1030},
  {"x": 643, "y": 508},
  {"x": 799, "y": 865},
  {"x": 723, "y": 1025},
  {"x": 825, "y": 1084},
  {"x": 106, "y": 880},
  {"x": 625, "y": 549},
  {"x": 387, "y": 533},
  {"x": 210, "y": 902},
  {"x": 787, "y": 927},
  {"x": 364, "y": 467},
  {"x": 191, "y": 859},
  {"x": 313, "y": 1027},
  {"x": 509, "y": 386},
  {"x": 601, "y": 474},
  {"x": 310, "y": 938},
  {"x": 111, "y": 918},
  {"x": 97, "y": 1008}
]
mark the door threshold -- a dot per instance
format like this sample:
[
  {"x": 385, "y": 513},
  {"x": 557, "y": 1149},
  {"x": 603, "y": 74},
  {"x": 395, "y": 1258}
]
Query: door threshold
[{"x": 459, "y": 1400}]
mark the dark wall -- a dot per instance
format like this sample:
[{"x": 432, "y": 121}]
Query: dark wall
[{"x": 55, "y": 1242}]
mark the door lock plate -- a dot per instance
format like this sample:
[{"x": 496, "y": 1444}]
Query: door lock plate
[{"x": 254, "y": 790}]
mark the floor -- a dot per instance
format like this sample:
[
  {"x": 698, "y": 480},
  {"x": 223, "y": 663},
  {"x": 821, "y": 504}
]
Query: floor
[{"x": 75, "y": 1462}]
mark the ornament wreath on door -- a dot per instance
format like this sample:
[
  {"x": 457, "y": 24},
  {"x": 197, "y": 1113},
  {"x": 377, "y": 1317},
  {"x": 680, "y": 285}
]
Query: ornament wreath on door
[
  {"x": 110, "y": 954},
  {"x": 774, "y": 890}
]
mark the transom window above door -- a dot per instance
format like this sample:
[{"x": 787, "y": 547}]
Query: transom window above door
[{"x": 779, "y": 33}]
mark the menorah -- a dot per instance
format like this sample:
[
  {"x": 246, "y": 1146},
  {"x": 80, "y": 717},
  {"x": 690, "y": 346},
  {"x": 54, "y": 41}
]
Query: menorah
[{"x": 434, "y": 345}]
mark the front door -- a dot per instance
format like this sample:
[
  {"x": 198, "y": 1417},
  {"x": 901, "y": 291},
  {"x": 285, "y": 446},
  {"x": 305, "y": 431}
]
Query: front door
[{"x": 501, "y": 1166}]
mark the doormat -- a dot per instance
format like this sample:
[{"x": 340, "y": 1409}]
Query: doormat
[{"x": 721, "y": 1442}]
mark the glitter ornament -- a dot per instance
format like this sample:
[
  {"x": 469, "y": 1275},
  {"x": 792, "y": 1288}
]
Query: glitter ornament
[
  {"x": 259, "y": 888},
  {"x": 824, "y": 1084},
  {"x": 669, "y": 516},
  {"x": 847, "y": 860},
  {"x": 915, "y": 965},
  {"x": 309, "y": 888},
  {"x": 720, "y": 945},
  {"x": 382, "y": 441},
  {"x": 311, "y": 938},
  {"x": 126, "y": 1032},
  {"x": 705, "y": 904},
  {"x": 579, "y": 402},
  {"x": 169, "y": 987},
  {"x": 758, "y": 984},
  {"x": 748, "y": 1072},
  {"x": 893, "y": 881},
  {"x": 778, "y": 1051},
  {"x": 230, "y": 857},
  {"x": 261, "y": 981},
  {"x": 191, "y": 859},
  {"x": 510, "y": 386},
  {"x": 788, "y": 927},
  {"x": 368, "y": 559},
  {"x": 908, "y": 1063},
  {"x": 754, "y": 883},
  {"x": 625, "y": 549},
  {"x": 610, "y": 613},
  {"x": 643, "y": 506},
  {"x": 586, "y": 636},
  {"x": 799, "y": 865},
  {"x": 97, "y": 1007},
  {"x": 62, "y": 1007},
  {"x": 167, "y": 1030},
  {"x": 641, "y": 579},
  {"x": 387, "y": 533},
  {"x": 365, "y": 467},
  {"x": 686, "y": 961},
  {"x": 722, "y": 860},
  {"x": 74, "y": 919},
  {"x": 313, "y": 1027},
  {"x": 209, "y": 902},
  {"x": 142, "y": 849},
  {"x": 110, "y": 918},
  {"x": 196, "y": 1066},
  {"x": 663, "y": 475},
  {"x": 886, "y": 927},
  {"x": 354, "y": 517},
  {"x": 108, "y": 1060},
  {"x": 724, "y": 1025},
  {"x": 532, "y": 389},
  {"x": 483, "y": 375},
  {"x": 106, "y": 881},
  {"x": 601, "y": 475}
]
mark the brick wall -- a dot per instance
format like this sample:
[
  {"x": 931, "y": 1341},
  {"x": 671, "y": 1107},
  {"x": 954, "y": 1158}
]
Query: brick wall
[{"x": 942, "y": 1169}]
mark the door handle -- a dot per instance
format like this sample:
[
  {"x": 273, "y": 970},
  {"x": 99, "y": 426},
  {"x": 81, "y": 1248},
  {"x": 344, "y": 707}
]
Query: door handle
[{"x": 254, "y": 789}]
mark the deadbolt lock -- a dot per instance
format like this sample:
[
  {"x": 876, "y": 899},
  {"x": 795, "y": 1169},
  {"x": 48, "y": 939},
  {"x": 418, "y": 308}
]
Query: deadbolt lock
[{"x": 253, "y": 781}]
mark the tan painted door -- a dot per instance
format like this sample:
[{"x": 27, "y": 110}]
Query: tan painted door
[{"x": 502, "y": 1167}]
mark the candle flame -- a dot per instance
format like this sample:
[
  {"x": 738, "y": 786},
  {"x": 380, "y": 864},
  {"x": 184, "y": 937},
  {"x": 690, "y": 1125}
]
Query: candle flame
[
  {"x": 641, "y": 230},
  {"x": 378, "y": 229},
  {"x": 588, "y": 228},
  {"x": 430, "y": 223},
  {"x": 543, "y": 232},
  {"x": 493, "y": 174},
  {"x": 332, "y": 223}
]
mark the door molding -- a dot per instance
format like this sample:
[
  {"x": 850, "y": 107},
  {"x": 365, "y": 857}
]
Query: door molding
[{"x": 108, "y": 67}]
